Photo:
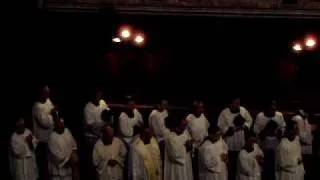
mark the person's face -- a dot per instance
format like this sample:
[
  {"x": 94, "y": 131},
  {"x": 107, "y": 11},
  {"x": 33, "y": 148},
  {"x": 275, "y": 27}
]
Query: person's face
[
  {"x": 45, "y": 92},
  {"x": 59, "y": 126},
  {"x": 98, "y": 96},
  {"x": 215, "y": 137},
  {"x": 131, "y": 106},
  {"x": 108, "y": 133},
  {"x": 20, "y": 127},
  {"x": 164, "y": 105},
  {"x": 146, "y": 136},
  {"x": 199, "y": 109},
  {"x": 249, "y": 145},
  {"x": 182, "y": 126},
  {"x": 235, "y": 104}
]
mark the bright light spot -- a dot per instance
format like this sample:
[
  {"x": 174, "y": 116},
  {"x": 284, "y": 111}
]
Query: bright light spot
[
  {"x": 310, "y": 42},
  {"x": 139, "y": 39},
  {"x": 297, "y": 47},
  {"x": 116, "y": 40},
  {"x": 125, "y": 33}
]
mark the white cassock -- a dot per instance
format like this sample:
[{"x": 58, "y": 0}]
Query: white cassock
[
  {"x": 177, "y": 161},
  {"x": 141, "y": 164},
  {"x": 42, "y": 120},
  {"x": 288, "y": 155},
  {"x": 248, "y": 167},
  {"x": 61, "y": 147},
  {"x": 305, "y": 134},
  {"x": 154, "y": 150},
  {"x": 23, "y": 163},
  {"x": 103, "y": 153},
  {"x": 92, "y": 118},
  {"x": 126, "y": 124},
  {"x": 198, "y": 128},
  {"x": 225, "y": 121},
  {"x": 211, "y": 166},
  {"x": 157, "y": 123}
]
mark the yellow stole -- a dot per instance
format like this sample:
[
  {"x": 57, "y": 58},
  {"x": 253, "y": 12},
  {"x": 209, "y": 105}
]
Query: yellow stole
[{"x": 147, "y": 159}]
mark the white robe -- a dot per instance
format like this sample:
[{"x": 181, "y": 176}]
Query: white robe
[
  {"x": 157, "y": 123},
  {"x": 23, "y": 164},
  {"x": 305, "y": 134},
  {"x": 248, "y": 167},
  {"x": 198, "y": 128},
  {"x": 211, "y": 166},
  {"x": 42, "y": 120},
  {"x": 154, "y": 150},
  {"x": 141, "y": 165},
  {"x": 126, "y": 124},
  {"x": 288, "y": 154},
  {"x": 61, "y": 147},
  {"x": 225, "y": 121},
  {"x": 177, "y": 161},
  {"x": 262, "y": 121},
  {"x": 92, "y": 117},
  {"x": 103, "y": 153}
]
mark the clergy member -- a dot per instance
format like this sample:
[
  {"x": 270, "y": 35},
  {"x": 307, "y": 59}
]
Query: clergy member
[
  {"x": 213, "y": 157},
  {"x": 129, "y": 118},
  {"x": 306, "y": 138},
  {"x": 250, "y": 160},
  {"x": 92, "y": 117},
  {"x": 178, "y": 147},
  {"x": 234, "y": 121},
  {"x": 22, "y": 151},
  {"x": 108, "y": 155},
  {"x": 42, "y": 114},
  {"x": 154, "y": 150},
  {"x": 289, "y": 158},
  {"x": 63, "y": 159},
  {"x": 141, "y": 164}
]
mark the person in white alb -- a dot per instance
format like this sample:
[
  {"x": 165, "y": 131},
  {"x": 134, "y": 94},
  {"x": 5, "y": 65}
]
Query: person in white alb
[
  {"x": 269, "y": 126},
  {"x": 306, "y": 138},
  {"x": 22, "y": 153},
  {"x": 213, "y": 157},
  {"x": 42, "y": 114},
  {"x": 92, "y": 117},
  {"x": 129, "y": 118},
  {"x": 234, "y": 121},
  {"x": 63, "y": 159},
  {"x": 157, "y": 123},
  {"x": 288, "y": 157},
  {"x": 154, "y": 150},
  {"x": 249, "y": 161},
  {"x": 178, "y": 147},
  {"x": 108, "y": 155}
]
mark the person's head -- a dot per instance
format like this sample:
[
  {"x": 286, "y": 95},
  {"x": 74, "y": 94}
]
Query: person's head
[
  {"x": 145, "y": 135},
  {"x": 20, "y": 126},
  {"x": 271, "y": 128},
  {"x": 96, "y": 96},
  {"x": 130, "y": 106},
  {"x": 198, "y": 108},
  {"x": 59, "y": 126},
  {"x": 235, "y": 104},
  {"x": 44, "y": 93},
  {"x": 176, "y": 123},
  {"x": 163, "y": 105},
  {"x": 239, "y": 121},
  {"x": 271, "y": 108},
  {"x": 107, "y": 133},
  {"x": 302, "y": 113},
  {"x": 107, "y": 116},
  {"x": 291, "y": 130},
  {"x": 214, "y": 133},
  {"x": 249, "y": 144}
]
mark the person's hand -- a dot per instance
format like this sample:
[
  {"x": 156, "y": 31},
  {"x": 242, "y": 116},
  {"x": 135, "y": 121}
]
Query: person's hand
[
  {"x": 53, "y": 112},
  {"x": 224, "y": 157},
  {"x": 29, "y": 138},
  {"x": 112, "y": 162}
]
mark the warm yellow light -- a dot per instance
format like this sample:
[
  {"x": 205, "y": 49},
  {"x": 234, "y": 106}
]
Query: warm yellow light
[
  {"x": 125, "y": 33},
  {"x": 310, "y": 42},
  {"x": 297, "y": 47},
  {"x": 116, "y": 40},
  {"x": 139, "y": 39}
]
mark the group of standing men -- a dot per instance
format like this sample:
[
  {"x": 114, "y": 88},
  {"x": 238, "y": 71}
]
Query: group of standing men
[{"x": 168, "y": 147}]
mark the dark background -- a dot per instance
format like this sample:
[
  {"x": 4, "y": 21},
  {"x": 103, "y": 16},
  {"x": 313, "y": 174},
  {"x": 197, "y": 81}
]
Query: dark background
[{"x": 185, "y": 58}]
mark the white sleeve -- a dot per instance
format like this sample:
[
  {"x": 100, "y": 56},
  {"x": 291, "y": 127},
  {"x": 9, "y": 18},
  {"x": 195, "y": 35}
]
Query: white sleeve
[
  {"x": 122, "y": 154},
  {"x": 248, "y": 119},
  {"x": 59, "y": 157},
  {"x": 211, "y": 162},
  {"x": 284, "y": 160},
  {"x": 42, "y": 118},
  {"x": 18, "y": 147},
  {"x": 136, "y": 165},
  {"x": 282, "y": 123},
  {"x": 222, "y": 123},
  {"x": 258, "y": 125},
  {"x": 88, "y": 116},
  {"x": 73, "y": 142},
  {"x": 124, "y": 124},
  {"x": 174, "y": 151},
  {"x": 98, "y": 159},
  {"x": 34, "y": 139},
  {"x": 245, "y": 167}
]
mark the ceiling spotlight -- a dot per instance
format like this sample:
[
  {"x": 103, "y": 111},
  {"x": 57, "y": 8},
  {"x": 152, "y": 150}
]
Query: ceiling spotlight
[
  {"x": 310, "y": 42},
  {"x": 116, "y": 40},
  {"x": 125, "y": 33},
  {"x": 139, "y": 39},
  {"x": 297, "y": 47}
]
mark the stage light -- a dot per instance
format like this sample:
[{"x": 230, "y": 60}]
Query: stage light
[
  {"x": 310, "y": 42},
  {"x": 125, "y": 33},
  {"x": 116, "y": 40},
  {"x": 139, "y": 39},
  {"x": 297, "y": 47}
]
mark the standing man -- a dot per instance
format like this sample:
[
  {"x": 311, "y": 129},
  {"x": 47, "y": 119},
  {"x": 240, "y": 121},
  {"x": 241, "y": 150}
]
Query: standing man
[
  {"x": 213, "y": 157},
  {"x": 63, "y": 158},
  {"x": 157, "y": 123},
  {"x": 234, "y": 121},
  {"x": 289, "y": 159},
  {"x": 22, "y": 153},
  {"x": 43, "y": 112},
  {"x": 108, "y": 155},
  {"x": 154, "y": 150},
  {"x": 306, "y": 138},
  {"x": 178, "y": 147}
]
